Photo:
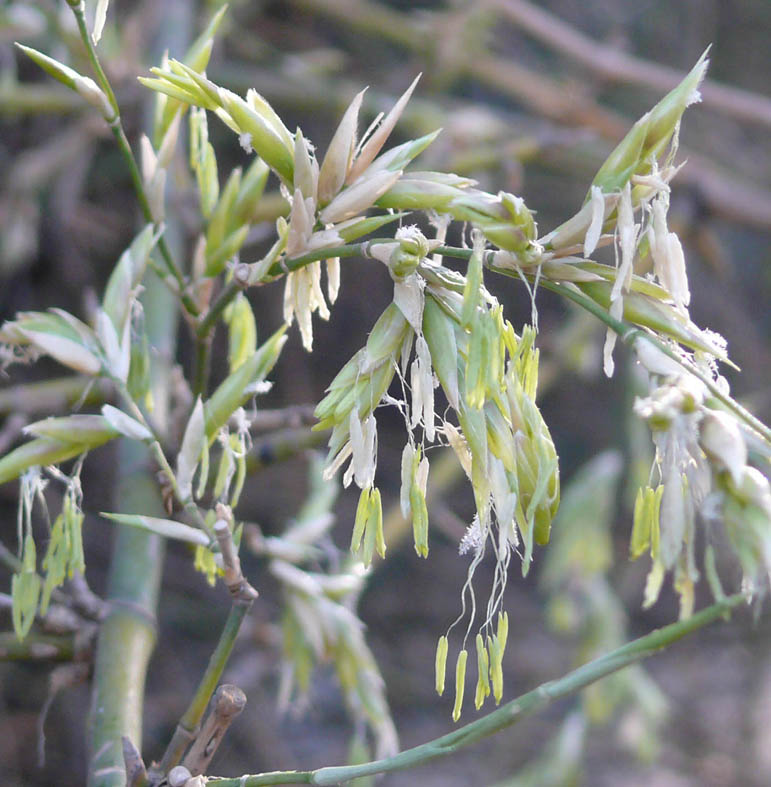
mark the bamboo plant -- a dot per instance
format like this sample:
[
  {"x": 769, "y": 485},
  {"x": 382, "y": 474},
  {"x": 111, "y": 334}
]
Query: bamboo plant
[{"x": 443, "y": 354}]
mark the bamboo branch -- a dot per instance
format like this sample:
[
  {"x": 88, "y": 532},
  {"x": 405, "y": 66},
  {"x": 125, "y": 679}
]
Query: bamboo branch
[
  {"x": 243, "y": 595},
  {"x": 127, "y": 635},
  {"x": 227, "y": 704},
  {"x": 37, "y": 647},
  {"x": 136, "y": 772},
  {"x": 116, "y": 127},
  {"x": 505, "y": 716}
]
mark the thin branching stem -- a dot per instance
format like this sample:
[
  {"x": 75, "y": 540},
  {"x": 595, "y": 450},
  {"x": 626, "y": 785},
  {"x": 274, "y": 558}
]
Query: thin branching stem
[
  {"x": 288, "y": 265},
  {"x": 629, "y": 334},
  {"x": 508, "y": 714},
  {"x": 188, "y": 724},
  {"x": 79, "y": 9},
  {"x": 209, "y": 320},
  {"x": 202, "y": 364},
  {"x": 116, "y": 127},
  {"x": 144, "y": 204},
  {"x": 243, "y": 596},
  {"x": 626, "y": 331}
]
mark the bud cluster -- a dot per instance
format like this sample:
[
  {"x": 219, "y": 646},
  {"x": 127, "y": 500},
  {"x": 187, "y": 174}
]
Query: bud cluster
[{"x": 702, "y": 465}]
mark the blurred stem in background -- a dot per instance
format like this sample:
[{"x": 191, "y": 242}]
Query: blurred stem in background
[{"x": 128, "y": 634}]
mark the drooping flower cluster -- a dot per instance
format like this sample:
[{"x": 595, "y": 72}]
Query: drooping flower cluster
[
  {"x": 701, "y": 470},
  {"x": 488, "y": 375}
]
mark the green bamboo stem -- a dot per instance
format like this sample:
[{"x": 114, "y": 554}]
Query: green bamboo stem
[
  {"x": 505, "y": 716},
  {"x": 37, "y": 647},
  {"x": 629, "y": 334},
  {"x": 127, "y": 635},
  {"x": 626, "y": 331},
  {"x": 188, "y": 724}
]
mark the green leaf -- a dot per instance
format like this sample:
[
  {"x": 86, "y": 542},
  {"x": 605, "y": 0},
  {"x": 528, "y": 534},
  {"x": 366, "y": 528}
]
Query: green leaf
[
  {"x": 168, "y": 528},
  {"x": 40, "y": 452},
  {"x": 236, "y": 388}
]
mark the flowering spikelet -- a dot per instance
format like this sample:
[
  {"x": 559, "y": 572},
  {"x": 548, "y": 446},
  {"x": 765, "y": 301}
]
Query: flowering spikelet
[
  {"x": 667, "y": 252},
  {"x": 626, "y": 233}
]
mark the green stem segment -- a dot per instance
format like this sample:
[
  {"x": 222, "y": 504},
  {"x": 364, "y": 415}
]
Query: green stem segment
[
  {"x": 505, "y": 716},
  {"x": 79, "y": 9},
  {"x": 125, "y": 148},
  {"x": 626, "y": 331},
  {"x": 287, "y": 265},
  {"x": 37, "y": 647},
  {"x": 127, "y": 635},
  {"x": 188, "y": 724},
  {"x": 629, "y": 334},
  {"x": 144, "y": 204}
]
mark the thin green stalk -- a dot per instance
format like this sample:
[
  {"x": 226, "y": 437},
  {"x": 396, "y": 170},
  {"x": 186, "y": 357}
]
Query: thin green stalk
[
  {"x": 209, "y": 320},
  {"x": 37, "y": 647},
  {"x": 349, "y": 250},
  {"x": 202, "y": 363},
  {"x": 189, "y": 506},
  {"x": 629, "y": 334},
  {"x": 139, "y": 188},
  {"x": 189, "y": 722},
  {"x": 79, "y": 9},
  {"x": 232, "y": 288},
  {"x": 116, "y": 127},
  {"x": 505, "y": 716},
  {"x": 127, "y": 635}
]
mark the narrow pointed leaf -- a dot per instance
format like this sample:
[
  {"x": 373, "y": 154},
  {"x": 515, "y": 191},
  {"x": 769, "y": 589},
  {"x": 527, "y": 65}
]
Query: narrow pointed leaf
[{"x": 168, "y": 528}]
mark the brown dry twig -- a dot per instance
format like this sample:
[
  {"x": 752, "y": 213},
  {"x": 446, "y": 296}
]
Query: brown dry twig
[
  {"x": 613, "y": 65},
  {"x": 227, "y": 703},
  {"x": 720, "y": 192}
]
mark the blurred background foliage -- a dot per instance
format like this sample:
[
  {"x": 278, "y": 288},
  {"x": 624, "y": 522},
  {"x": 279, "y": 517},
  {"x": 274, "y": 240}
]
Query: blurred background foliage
[{"x": 531, "y": 100}]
